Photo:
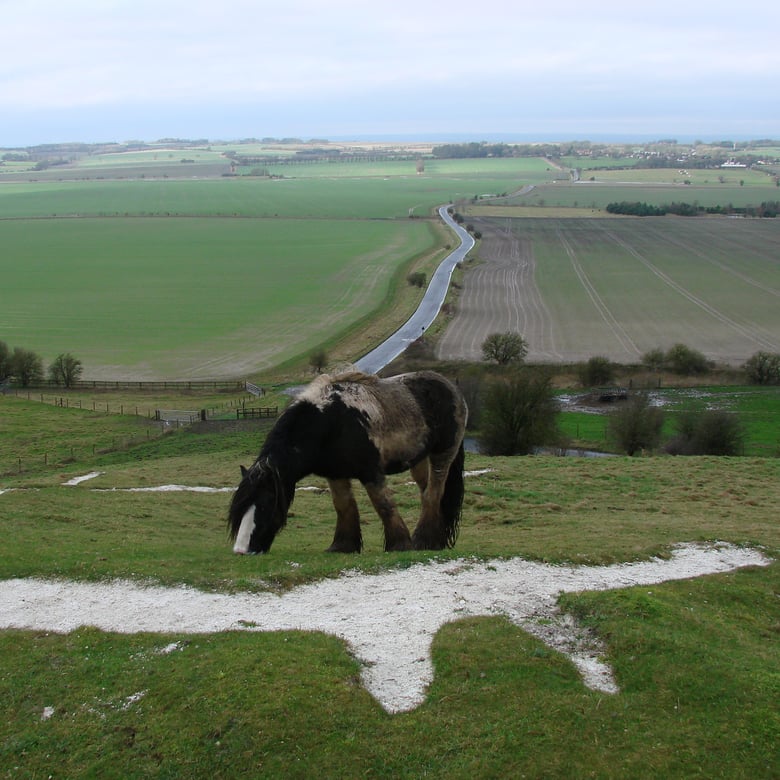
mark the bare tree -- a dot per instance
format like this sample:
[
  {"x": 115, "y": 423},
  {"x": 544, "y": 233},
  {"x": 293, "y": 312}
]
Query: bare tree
[
  {"x": 65, "y": 370},
  {"x": 505, "y": 348}
]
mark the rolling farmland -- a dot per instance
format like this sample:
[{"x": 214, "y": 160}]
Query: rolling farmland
[
  {"x": 147, "y": 275},
  {"x": 148, "y": 298},
  {"x": 620, "y": 287},
  {"x": 149, "y": 278}
]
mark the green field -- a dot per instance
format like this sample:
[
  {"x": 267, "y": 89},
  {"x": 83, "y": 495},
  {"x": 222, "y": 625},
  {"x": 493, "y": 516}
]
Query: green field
[
  {"x": 147, "y": 278},
  {"x": 629, "y": 286},
  {"x": 222, "y": 276},
  {"x": 190, "y": 278},
  {"x": 696, "y": 660},
  {"x": 387, "y": 190},
  {"x": 146, "y": 298}
]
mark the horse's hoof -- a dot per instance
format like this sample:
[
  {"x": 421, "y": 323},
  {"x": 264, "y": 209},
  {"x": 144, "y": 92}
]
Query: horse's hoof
[
  {"x": 404, "y": 546},
  {"x": 427, "y": 544}
]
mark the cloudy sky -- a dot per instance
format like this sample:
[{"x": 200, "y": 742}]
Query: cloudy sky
[{"x": 114, "y": 70}]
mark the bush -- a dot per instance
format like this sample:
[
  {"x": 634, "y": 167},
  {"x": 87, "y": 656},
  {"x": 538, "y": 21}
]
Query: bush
[
  {"x": 318, "y": 360},
  {"x": 471, "y": 387},
  {"x": 597, "y": 371},
  {"x": 686, "y": 361},
  {"x": 518, "y": 414},
  {"x": 26, "y": 366},
  {"x": 5, "y": 361},
  {"x": 679, "y": 359},
  {"x": 504, "y": 348},
  {"x": 710, "y": 432},
  {"x": 654, "y": 360},
  {"x": 763, "y": 368},
  {"x": 416, "y": 279},
  {"x": 637, "y": 425}
]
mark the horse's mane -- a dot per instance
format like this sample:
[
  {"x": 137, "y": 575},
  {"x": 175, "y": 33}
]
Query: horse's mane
[{"x": 353, "y": 375}]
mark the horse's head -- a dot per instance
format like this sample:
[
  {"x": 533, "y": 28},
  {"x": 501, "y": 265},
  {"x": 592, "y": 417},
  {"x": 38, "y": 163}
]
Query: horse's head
[{"x": 258, "y": 510}]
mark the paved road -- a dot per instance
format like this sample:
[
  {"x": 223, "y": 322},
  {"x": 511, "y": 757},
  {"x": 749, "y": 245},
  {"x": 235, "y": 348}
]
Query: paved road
[{"x": 427, "y": 310}]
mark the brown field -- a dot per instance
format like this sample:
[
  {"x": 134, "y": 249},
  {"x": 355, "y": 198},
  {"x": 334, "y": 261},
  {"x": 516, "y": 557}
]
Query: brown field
[{"x": 575, "y": 288}]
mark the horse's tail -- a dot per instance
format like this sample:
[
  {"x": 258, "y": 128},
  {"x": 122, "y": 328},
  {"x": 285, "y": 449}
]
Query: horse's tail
[{"x": 452, "y": 498}]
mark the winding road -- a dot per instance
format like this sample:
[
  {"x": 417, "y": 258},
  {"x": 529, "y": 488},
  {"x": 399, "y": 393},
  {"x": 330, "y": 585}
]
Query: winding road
[{"x": 428, "y": 309}]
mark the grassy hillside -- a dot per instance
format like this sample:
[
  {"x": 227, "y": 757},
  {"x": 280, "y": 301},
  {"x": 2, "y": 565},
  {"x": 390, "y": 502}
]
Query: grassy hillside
[{"x": 696, "y": 660}]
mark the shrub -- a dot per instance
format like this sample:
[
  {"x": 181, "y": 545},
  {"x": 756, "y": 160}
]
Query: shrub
[
  {"x": 5, "y": 361},
  {"x": 637, "y": 425},
  {"x": 654, "y": 359},
  {"x": 471, "y": 387},
  {"x": 686, "y": 361},
  {"x": 318, "y": 360},
  {"x": 504, "y": 348},
  {"x": 416, "y": 279},
  {"x": 26, "y": 366},
  {"x": 763, "y": 368},
  {"x": 709, "y": 432},
  {"x": 597, "y": 371},
  {"x": 518, "y": 414}
]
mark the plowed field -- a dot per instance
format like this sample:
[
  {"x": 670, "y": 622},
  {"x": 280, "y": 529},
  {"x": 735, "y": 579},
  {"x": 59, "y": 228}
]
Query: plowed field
[{"x": 575, "y": 288}]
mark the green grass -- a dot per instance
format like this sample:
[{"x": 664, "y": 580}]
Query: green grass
[
  {"x": 758, "y": 409},
  {"x": 140, "y": 279},
  {"x": 548, "y": 508},
  {"x": 696, "y": 660},
  {"x": 180, "y": 298},
  {"x": 334, "y": 191}
]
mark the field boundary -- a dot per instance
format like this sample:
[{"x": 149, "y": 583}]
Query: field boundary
[{"x": 122, "y": 384}]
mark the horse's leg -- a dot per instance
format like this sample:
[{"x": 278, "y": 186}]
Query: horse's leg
[
  {"x": 348, "y": 537},
  {"x": 396, "y": 533},
  {"x": 419, "y": 474},
  {"x": 430, "y": 533}
]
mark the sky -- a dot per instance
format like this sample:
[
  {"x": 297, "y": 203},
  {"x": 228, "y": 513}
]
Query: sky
[{"x": 118, "y": 70}]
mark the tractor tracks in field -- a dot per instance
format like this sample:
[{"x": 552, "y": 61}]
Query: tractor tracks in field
[
  {"x": 725, "y": 267},
  {"x": 747, "y": 330},
  {"x": 612, "y": 323},
  {"x": 500, "y": 295}
]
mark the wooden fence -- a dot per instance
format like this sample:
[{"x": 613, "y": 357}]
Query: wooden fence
[
  {"x": 97, "y": 384},
  {"x": 256, "y": 411}
]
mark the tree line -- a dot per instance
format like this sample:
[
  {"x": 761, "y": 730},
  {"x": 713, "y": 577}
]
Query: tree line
[
  {"x": 635, "y": 208},
  {"x": 25, "y": 367},
  {"x": 483, "y": 149}
]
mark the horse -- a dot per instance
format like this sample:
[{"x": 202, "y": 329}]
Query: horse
[{"x": 358, "y": 426}]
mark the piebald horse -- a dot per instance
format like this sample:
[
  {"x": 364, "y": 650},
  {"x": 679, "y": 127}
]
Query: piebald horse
[{"x": 358, "y": 426}]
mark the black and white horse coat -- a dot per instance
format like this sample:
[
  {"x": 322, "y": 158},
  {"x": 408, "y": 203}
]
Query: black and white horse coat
[{"x": 358, "y": 426}]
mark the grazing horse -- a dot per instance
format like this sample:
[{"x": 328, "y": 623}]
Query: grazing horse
[{"x": 358, "y": 426}]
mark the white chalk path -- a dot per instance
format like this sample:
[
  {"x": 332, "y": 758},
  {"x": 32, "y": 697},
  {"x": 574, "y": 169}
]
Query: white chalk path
[{"x": 387, "y": 620}]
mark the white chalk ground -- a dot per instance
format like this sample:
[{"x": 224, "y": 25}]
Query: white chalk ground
[{"x": 388, "y": 620}]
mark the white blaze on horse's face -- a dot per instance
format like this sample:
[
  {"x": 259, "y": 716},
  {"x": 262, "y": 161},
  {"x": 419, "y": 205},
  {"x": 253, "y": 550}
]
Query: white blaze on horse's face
[{"x": 245, "y": 531}]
